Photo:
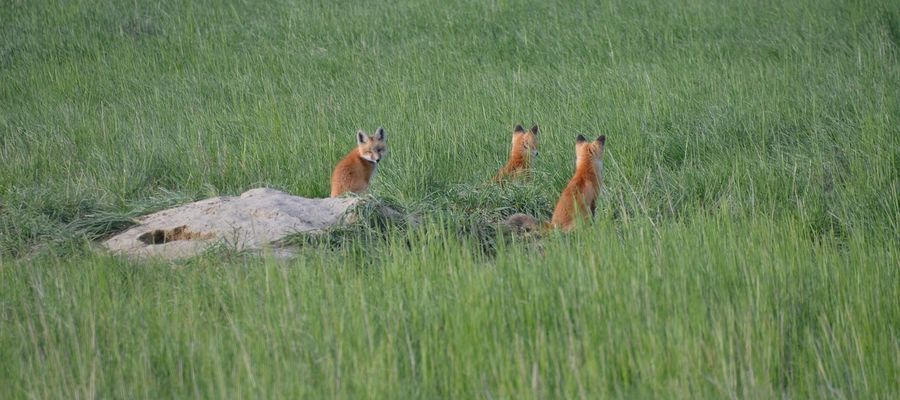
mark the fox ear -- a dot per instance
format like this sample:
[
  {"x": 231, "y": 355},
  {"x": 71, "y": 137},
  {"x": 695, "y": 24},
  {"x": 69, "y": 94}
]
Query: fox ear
[
  {"x": 361, "y": 137},
  {"x": 602, "y": 139},
  {"x": 534, "y": 129},
  {"x": 380, "y": 134},
  {"x": 580, "y": 139},
  {"x": 518, "y": 129}
]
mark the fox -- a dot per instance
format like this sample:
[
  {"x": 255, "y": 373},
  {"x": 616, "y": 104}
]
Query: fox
[
  {"x": 354, "y": 172},
  {"x": 578, "y": 200},
  {"x": 524, "y": 148}
]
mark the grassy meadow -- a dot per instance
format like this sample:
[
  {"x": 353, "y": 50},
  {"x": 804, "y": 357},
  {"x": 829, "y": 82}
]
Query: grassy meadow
[{"x": 746, "y": 245}]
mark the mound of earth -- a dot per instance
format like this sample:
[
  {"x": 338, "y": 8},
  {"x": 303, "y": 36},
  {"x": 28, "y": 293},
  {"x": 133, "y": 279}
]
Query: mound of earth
[{"x": 256, "y": 219}]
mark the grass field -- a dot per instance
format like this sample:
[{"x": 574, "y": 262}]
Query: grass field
[{"x": 747, "y": 243}]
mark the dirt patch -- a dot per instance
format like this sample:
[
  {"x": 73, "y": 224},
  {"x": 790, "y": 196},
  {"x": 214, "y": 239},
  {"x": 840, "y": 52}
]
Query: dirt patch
[{"x": 255, "y": 220}]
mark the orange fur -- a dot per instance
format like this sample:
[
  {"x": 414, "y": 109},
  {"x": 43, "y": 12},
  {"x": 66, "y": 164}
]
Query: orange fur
[
  {"x": 579, "y": 199},
  {"x": 524, "y": 148},
  {"x": 355, "y": 171}
]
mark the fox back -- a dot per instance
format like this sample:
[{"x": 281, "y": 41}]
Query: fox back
[
  {"x": 579, "y": 199},
  {"x": 524, "y": 149}
]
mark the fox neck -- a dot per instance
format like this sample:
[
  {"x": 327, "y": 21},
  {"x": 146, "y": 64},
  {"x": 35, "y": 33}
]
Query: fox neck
[
  {"x": 369, "y": 166},
  {"x": 589, "y": 167},
  {"x": 519, "y": 158}
]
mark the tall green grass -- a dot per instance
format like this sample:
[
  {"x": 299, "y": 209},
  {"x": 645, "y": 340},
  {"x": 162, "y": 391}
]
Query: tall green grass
[
  {"x": 745, "y": 244},
  {"x": 710, "y": 308}
]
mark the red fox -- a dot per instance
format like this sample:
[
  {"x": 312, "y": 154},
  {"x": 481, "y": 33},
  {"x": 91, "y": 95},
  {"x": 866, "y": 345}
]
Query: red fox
[
  {"x": 579, "y": 199},
  {"x": 524, "y": 148},
  {"x": 354, "y": 172}
]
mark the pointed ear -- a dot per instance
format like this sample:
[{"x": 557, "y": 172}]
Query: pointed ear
[
  {"x": 361, "y": 137},
  {"x": 580, "y": 139},
  {"x": 534, "y": 129},
  {"x": 519, "y": 128},
  {"x": 602, "y": 139},
  {"x": 380, "y": 134}
]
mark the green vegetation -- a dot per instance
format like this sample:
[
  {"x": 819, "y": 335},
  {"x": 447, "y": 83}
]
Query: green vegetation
[{"x": 746, "y": 245}]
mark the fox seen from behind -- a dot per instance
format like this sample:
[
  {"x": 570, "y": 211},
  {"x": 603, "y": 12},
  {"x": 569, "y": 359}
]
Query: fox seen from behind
[
  {"x": 579, "y": 199},
  {"x": 354, "y": 172},
  {"x": 524, "y": 149},
  {"x": 580, "y": 195}
]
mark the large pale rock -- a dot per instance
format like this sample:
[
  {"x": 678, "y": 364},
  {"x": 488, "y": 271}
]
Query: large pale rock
[{"x": 256, "y": 219}]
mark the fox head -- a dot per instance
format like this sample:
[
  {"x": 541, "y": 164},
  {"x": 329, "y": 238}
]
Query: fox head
[
  {"x": 525, "y": 143},
  {"x": 371, "y": 148},
  {"x": 590, "y": 151}
]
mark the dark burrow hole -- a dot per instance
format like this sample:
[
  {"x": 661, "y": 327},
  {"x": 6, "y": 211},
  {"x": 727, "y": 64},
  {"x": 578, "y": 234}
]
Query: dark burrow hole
[{"x": 160, "y": 236}]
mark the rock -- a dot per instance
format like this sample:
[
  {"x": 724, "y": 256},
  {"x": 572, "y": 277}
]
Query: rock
[{"x": 255, "y": 220}]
